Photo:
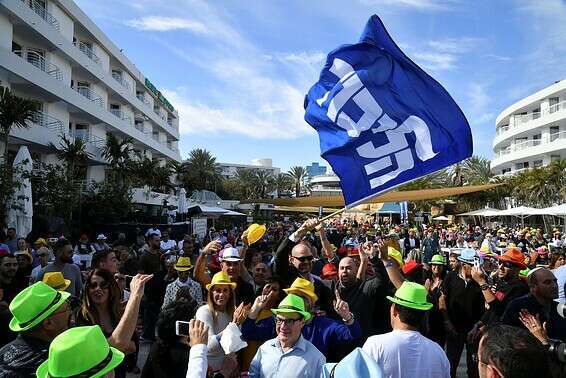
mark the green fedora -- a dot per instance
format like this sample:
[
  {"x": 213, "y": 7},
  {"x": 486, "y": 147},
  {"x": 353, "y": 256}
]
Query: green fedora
[
  {"x": 67, "y": 357},
  {"x": 411, "y": 295},
  {"x": 34, "y": 304},
  {"x": 292, "y": 303},
  {"x": 437, "y": 260}
]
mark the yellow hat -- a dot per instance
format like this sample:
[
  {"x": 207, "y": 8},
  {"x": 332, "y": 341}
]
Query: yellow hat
[
  {"x": 183, "y": 264},
  {"x": 255, "y": 232},
  {"x": 56, "y": 280},
  {"x": 302, "y": 287},
  {"x": 395, "y": 255},
  {"x": 26, "y": 254},
  {"x": 41, "y": 242},
  {"x": 485, "y": 249},
  {"x": 220, "y": 278}
]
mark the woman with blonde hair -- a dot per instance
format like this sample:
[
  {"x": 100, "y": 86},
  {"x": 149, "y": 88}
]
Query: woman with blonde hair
[{"x": 217, "y": 313}]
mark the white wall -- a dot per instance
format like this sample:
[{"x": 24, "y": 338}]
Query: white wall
[
  {"x": 95, "y": 173},
  {"x": 103, "y": 55},
  {"x": 63, "y": 65},
  {"x": 5, "y": 32},
  {"x": 66, "y": 23},
  {"x": 59, "y": 110}
]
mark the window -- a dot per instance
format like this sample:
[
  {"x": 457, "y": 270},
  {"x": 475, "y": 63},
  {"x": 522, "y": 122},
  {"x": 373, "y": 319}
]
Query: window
[
  {"x": 536, "y": 139},
  {"x": 553, "y": 104},
  {"x": 522, "y": 165},
  {"x": 536, "y": 113},
  {"x": 537, "y": 163},
  {"x": 520, "y": 143},
  {"x": 554, "y": 132},
  {"x": 554, "y": 158},
  {"x": 505, "y": 170}
]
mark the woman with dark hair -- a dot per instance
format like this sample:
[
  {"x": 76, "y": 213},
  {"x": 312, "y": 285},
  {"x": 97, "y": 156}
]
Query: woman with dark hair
[
  {"x": 169, "y": 355},
  {"x": 434, "y": 328},
  {"x": 101, "y": 305},
  {"x": 556, "y": 260}
]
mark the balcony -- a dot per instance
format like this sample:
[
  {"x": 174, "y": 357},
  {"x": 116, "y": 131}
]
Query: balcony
[
  {"x": 547, "y": 143},
  {"x": 90, "y": 139},
  {"x": 120, "y": 80},
  {"x": 42, "y": 119},
  {"x": 91, "y": 95},
  {"x": 87, "y": 50},
  {"x": 39, "y": 9},
  {"x": 139, "y": 127},
  {"x": 120, "y": 114},
  {"x": 40, "y": 62},
  {"x": 163, "y": 116},
  {"x": 142, "y": 99}
]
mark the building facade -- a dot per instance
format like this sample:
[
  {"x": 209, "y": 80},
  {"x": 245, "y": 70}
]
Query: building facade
[
  {"x": 532, "y": 132},
  {"x": 229, "y": 170},
  {"x": 83, "y": 84}
]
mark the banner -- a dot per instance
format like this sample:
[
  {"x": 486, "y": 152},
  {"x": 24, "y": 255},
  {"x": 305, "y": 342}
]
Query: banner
[{"x": 382, "y": 121}]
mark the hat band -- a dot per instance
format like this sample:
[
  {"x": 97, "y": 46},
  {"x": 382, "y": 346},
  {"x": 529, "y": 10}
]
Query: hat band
[
  {"x": 53, "y": 302},
  {"x": 59, "y": 286},
  {"x": 93, "y": 370},
  {"x": 288, "y": 307},
  {"x": 408, "y": 302}
]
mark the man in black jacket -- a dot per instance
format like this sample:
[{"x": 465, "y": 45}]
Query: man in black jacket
[{"x": 294, "y": 259}]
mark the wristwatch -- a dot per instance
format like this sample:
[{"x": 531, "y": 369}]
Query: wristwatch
[
  {"x": 485, "y": 286},
  {"x": 388, "y": 264},
  {"x": 349, "y": 322}
]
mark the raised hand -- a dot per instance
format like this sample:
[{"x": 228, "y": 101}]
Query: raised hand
[
  {"x": 241, "y": 313},
  {"x": 534, "y": 325},
  {"x": 212, "y": 247},
  {"x": 137, "y": 285},
  {"x": 342, "y": 308},
  {"x": 198, "y": 332}
]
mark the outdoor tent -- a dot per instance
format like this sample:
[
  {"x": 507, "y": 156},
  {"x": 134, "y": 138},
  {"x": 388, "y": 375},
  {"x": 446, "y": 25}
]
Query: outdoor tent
[
  {"x": 440, "y": 218},
  {"x": 559, "y": 210}
]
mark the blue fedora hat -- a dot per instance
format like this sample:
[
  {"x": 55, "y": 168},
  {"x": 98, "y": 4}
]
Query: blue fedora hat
[
  {"x": 467, "y": 255},
  {"x": 356, "y": 364}
]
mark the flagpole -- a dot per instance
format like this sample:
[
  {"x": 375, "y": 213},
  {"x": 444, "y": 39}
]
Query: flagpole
[{"x": 333, "y": 214}]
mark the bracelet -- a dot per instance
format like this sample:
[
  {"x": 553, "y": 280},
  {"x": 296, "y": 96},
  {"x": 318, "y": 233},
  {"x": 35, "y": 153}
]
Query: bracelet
[
  {"x": 389, "y": 264},
  {"x": 351, "y": 321}
]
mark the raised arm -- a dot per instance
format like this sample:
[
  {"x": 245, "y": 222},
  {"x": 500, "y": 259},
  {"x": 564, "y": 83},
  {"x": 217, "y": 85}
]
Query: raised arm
[
  {"x": 200, "y": 266},
  {"x": 391, "y": 267}
]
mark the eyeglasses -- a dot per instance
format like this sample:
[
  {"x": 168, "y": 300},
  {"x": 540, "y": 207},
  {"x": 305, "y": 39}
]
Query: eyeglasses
[
  {"x": 507, "y": 264},
  {"x": 103, "y": 285},
  {"x": 303, "y": 258},
  {"x": 285, "y": 321}
]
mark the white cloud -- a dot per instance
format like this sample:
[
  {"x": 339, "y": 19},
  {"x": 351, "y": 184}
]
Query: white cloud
[
  {"x": 435, "y": 61},
  {"x": 305, "y": 58},
  {"x": 158, "y": 23},
  {"x": 421, "y": 5},
  {"x": 443, "y": 54}
]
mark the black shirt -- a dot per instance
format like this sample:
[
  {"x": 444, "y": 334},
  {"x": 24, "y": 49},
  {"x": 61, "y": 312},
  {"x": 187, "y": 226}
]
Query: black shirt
[
  {"x": 166, "y": 361},
  {"x": 504, "y": 293},
  {"x": 22, "y": 357},
  {"x": 464, "y": 301}
]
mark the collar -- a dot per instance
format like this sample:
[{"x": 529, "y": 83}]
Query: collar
[
  {"x": 32, "y": 342},
  {"x": 300, "y": 344}
]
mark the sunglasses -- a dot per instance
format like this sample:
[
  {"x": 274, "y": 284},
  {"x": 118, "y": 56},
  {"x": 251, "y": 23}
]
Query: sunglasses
[
  {"x": 303, "y": 258},
  {"x": 103, "y": 285},
  {"x": 506, "y": 264}
]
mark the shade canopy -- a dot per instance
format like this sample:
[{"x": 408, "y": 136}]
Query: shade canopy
[
  {"x": 440, "y": 218},
  {"x": 397, "y": 196},
  {"x": 519, "y": 211}
]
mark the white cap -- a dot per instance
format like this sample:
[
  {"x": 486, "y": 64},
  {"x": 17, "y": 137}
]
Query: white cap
[
  {"x": 230, "y": 254},
  {"x": 101, "y": 237}
]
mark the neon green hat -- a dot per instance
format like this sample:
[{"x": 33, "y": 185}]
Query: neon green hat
[
  {"x": 411, "y": 295},
  {"x": 437, "y": 260},
  {"x": 292, "y": 303},
  {"x": 80, "y": 351},
  {"x": 524, "y": 273},
  {"x": 34, "y": 304}
]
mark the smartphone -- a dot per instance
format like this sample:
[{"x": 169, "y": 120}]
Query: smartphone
[
  {"x": 181, "y": 328},
  {"x": 128, "y": 280}
]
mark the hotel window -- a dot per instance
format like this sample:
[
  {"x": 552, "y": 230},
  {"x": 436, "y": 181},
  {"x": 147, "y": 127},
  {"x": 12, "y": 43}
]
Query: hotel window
[
  {"x": 536, "y": 139},
  {"x": 536, "y": 113},
  {"x": 537, "y": 163},
  {"x": 505, "y": 170},
  {"x": 554, "y": 158},
  {"x": 553, "y": 104},
  {"x": 520, "y": 143},
  {"x": 554, "y": 131},
  {"x": 522, "y": 165}
]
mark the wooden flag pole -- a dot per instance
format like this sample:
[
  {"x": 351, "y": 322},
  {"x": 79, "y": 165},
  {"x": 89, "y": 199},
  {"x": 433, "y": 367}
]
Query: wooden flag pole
[{"x": 333, "y": 214}]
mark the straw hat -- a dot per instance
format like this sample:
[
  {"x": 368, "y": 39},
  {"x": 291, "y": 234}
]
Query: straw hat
[
  {"x": 302, "y": 287},
  {"x": 255, "y": 232},
  {"x": 56, "y": 280},
  {"x": 220, "y": 278},
  {"x": 183, "y": 264}
]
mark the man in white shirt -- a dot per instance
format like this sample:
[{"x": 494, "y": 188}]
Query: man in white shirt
[
  {"x": 404, "y": 352},
  {"x": 166, "y": 243}
]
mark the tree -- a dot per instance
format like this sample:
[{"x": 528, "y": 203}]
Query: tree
[
  {"x": 14, "y": 112},
  {"x": 297, "y": 174},
  {"x": 476, "y": 171},
  {"x": 245, "y": 183},
  {"x": 119, "y": 154},
  {"x": 264, "y": 182},
  {"x": 72, "y": 153},
  {"x": 201, "y": 170},
  {"x": 283, "y": 183}
]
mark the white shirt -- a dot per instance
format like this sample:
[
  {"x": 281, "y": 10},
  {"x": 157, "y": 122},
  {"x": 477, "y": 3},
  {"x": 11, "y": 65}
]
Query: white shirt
[
  {"x": 215, "y": 352},
  {"x": 408, "y": 354},
  {"x": 198, "y": 364},
  {"x": 169, "y": 244}
]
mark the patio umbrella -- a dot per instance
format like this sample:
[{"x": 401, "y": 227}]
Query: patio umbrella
[
  {"x": 20, "y": 213},
  {"x": 182, "y": 206}
]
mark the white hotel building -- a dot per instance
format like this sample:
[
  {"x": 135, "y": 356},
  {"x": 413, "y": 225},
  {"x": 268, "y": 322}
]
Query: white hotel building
[
  {"x": 532, "y": 132},
  {"x": 85, "y": 87}
]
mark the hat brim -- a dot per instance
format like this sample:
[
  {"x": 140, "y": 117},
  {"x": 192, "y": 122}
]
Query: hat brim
[
  {"x": 117, "y": 358},
  {"x": 306, "y": 315},
  {"x": 183, "y": 268},
  {"x": 459, "y": 258},
  {"x": 257, "y": 234},
  {"x": 506, "y": 259},
  {"x": 301, "y": 292},
  {"x": 436, "y": 263},
  {"x": 233, "y": 259},
  {"x": 15, "y": 326},
  {"x": 416, "y": 306},
  {"x": 210, "y": 285}
]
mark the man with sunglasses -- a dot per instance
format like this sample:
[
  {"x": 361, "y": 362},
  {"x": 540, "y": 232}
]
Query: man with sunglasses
[
  {"x": 40, "y": 313},
  {"x": 294, "y": 259},
  {"x": 64, "y": 263},
  {"x": 44, "y": 255}
]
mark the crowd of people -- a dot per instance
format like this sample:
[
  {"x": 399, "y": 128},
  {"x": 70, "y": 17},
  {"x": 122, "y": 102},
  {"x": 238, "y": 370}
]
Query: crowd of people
[{"x": 312, "y": 299}]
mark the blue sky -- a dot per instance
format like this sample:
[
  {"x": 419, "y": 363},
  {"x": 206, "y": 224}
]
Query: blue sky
[{"x": 238, "y": 71}]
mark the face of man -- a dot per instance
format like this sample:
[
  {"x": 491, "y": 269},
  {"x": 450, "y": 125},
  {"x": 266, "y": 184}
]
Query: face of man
[
  {"x": 231, "y": 268},
  {"x": 110, "y": 263},
  {"x": 8, "y": 267},
  {"x": 154, "y": 242},
  {"x": 59, "y": 321},
  {"x": 260, "y": 273},
  {"x": 454, "y": 263},
  {"x": 22, "y": 245},
  {"x": 183, "y": 276},
  {"x": 165, "y": 236},
  {"x": 43, "y": 255},
  {"x": 288, "y": 328},
  {"x": 347, "y": 271},
  {"x": 507, "y": 271},
  {"x": 547, "y": 285},
  {"x": 301, "y": 258},
  {"x": 66, "y": 254},
  {"x": 11, "y": 233},
  {"x": 188, "y": 246}
]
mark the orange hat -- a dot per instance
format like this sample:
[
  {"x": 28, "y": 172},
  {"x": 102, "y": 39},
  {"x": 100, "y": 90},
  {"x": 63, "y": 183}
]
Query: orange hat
[
  {"x": 514, "y": 256},
  {"x": 410, "y": 267},
  {"x": 329, "y": 271}
]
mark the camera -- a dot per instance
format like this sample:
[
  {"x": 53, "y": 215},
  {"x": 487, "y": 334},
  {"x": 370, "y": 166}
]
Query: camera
[{"x": 557, "y": 348}]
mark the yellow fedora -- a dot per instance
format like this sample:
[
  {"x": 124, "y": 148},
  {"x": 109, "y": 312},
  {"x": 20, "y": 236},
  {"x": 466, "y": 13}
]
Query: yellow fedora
[
  {"x": 56, "y": 280},
  {"x": 220, "y": 278},
  {"x": 183, "y": 264},
  {"x": 302, "y": 287}
]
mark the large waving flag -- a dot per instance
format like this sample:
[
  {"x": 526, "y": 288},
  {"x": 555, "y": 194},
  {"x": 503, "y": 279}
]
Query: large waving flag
[{"x": 382, "y": 121}]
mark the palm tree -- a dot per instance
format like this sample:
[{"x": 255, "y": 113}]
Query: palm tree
[
  {"x": 118, "y": 153},
  {"x": 14, "y": 112},
  {"x": 297, "y": 174},
  {"x": 245, "y": 179},
  {"x": 201, "y": 170},
  {"x": 143, "y": 170},
  {"x": 72, "y": 153},
  {"x": 283, "y": 183},
  {"x": 161, "y": 180},
  {"x": 264, "y": 182},
  {"x": 177, "y": 170},
  {"x": 476, "y": 171}
]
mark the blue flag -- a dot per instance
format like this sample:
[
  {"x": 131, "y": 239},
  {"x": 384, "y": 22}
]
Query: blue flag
[{"x": 382, "y": 121}]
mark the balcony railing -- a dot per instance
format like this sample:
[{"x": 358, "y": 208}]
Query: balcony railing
[
  {"x": 91, "y": 95},
  {"x": 557, "y": 107},
  {"x": 120, "y": 114},
  {"x": 42, "y": 119},
  {"x": 155, "y": 137},
  {"x": 39, "y": 9},
  {"x": 93, "y": 140},
  {"x": 121, "y": 81},
  {"x": 524, "y": 118},
  {"x": 502, "y": 129},
  {"x": 87, "y": 50},
  {"x": 161, "y": 115},
  {"x": 40, "y": 62},
  {"x": 520, "y": 146},
  {"x": 521, "y": 119},
  {"x": 143, "y": 99},
  {"x": 139, "y": 127}
]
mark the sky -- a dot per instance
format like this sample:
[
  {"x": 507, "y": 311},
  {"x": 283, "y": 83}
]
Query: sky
[{"x": 238, "y": 71}]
